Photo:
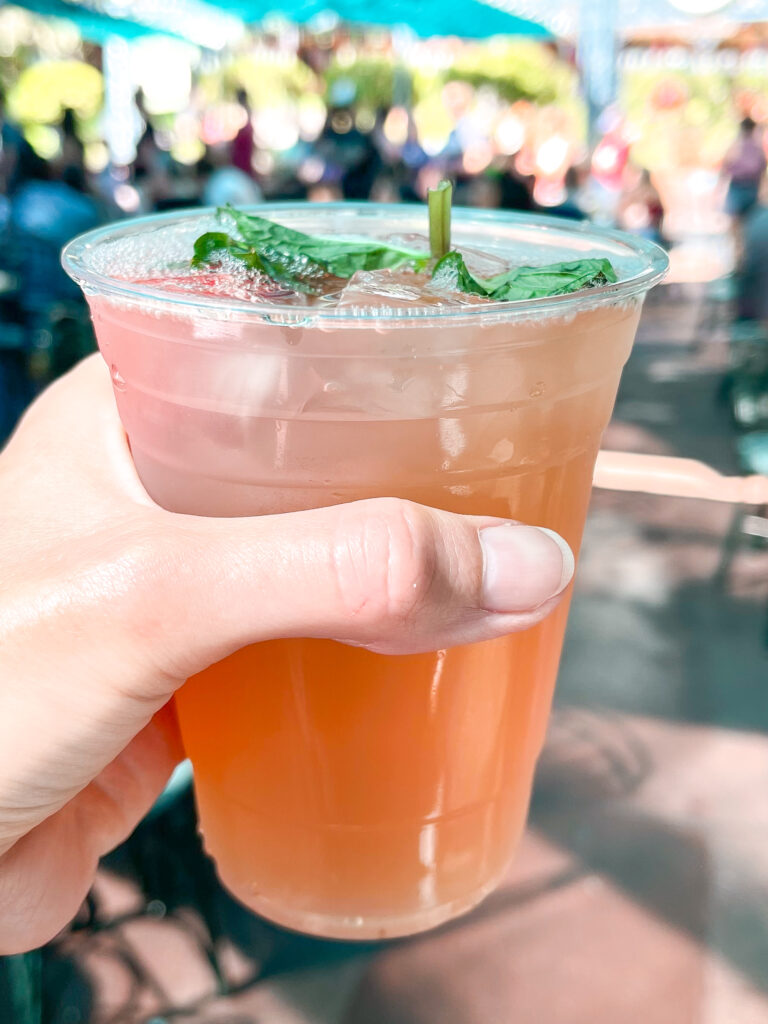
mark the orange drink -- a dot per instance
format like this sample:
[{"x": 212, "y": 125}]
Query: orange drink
[{"x": 340, "y": 792}]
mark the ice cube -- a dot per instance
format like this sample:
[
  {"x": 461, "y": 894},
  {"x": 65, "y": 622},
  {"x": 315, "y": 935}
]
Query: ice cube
[
  {"x": 386, "y": 289},
  {"x": 483, "y": 264},
  {"x": 409, "y": 240},
  {"x": 397, "y": 289},
  {"x": 479, "y": 261}
]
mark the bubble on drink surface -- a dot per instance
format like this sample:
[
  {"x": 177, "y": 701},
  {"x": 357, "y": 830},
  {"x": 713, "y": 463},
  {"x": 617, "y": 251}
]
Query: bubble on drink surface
[
  {"x": 160, "y": 258},
  {"x": 228, "y": 279},
  {"x": 155, "y": 250}
]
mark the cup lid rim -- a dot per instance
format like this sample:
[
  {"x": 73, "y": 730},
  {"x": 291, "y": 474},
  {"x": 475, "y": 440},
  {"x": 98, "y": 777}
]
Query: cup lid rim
[{"x": 654, "y": 265}]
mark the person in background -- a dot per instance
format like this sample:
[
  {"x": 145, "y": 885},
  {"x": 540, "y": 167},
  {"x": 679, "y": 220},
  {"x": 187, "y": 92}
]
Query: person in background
[
  {"x": 570, "y": 207},
  {"x": 516, "y": 190},
  {"x": 11, "y": 143},
  {"x": 152, "y": 168},
  {"x": 72, "y": 154},
  {"x": 640, "y": 209},
  {"x": 350, "y": 156},
  {"x": 15, "y": 387},
  {"x": 222, "y": 183},
  {"x": 47, "y": 327},
  {"x": 752, "y": 272},
  {"x": 244, "y": 144},
  {"x": 482, "y": 192},
  {"x": 324, "y": 193},
  {"x": 385, "y": 188},
  {"x": 45, "y": 214},
  {"x": 745, "y": 165}
]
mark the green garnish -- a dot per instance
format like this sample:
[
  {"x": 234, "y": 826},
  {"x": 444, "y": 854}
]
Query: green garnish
[
  {"x": 296, "y": 260},
  {"x": 451, "y": 274},
  {"x": 305, "y": 263},
  {"x": 439, "y": 203}
]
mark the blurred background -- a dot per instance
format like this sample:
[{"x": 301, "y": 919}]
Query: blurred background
[{"x": 641, "y": 894}]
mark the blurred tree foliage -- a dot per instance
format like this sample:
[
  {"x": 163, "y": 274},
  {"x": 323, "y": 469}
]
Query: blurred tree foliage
[
  {"x": 370, "y": 82},
  {"x": 688, "y": 118},
  {"x": 269, "y": 80},
  {"x": 513, "y": 69},
  {"x": 45, "y": 89},
  {"x": 516, "y": 70}
]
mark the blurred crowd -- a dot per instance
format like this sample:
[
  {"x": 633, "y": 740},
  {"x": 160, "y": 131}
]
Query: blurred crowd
[{"x": 44, "y": 326}]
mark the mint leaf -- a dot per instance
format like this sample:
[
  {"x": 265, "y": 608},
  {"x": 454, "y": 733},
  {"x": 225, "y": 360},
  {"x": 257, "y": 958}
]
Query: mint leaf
[
  {"x": 288, "y": 268},
  {"x": 211, "y": 246},
  {"x": 554, "y": 279},
  {"x": 452, "y": 274},
  {"x": 307, "y": 263},
  {"x": 300, "y": 261}
]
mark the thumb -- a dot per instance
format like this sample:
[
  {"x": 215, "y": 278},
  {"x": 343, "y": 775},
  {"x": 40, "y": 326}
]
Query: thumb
[{"x": 386, "y": 574}]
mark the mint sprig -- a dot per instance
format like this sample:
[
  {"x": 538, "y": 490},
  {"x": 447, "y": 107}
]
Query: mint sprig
[
  {"x": 300, "y": 261},
  {"x": 308, "y": 263},
  {"x": 451, "y": 274}
]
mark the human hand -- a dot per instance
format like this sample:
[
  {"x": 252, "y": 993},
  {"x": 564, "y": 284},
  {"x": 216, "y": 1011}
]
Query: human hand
[{"x": 108, "y": 603}]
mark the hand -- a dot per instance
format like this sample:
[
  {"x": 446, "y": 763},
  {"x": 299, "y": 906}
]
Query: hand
[{"x": 108, "y": 603}]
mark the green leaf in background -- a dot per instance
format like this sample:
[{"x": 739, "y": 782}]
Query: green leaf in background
[{"x": 452, "y": 274}]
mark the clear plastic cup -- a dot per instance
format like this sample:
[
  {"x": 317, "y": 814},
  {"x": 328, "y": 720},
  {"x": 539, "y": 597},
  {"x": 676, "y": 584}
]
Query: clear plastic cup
[{"x": 340, "y": 792}]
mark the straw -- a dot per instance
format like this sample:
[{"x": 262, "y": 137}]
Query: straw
[{"x": 676, "y": 478}]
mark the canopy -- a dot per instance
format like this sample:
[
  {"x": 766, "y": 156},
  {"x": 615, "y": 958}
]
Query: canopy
[
  {"x": 708, "y": 18},
  {"x": 213, "y": 23},
  {"x": 470, "y": 19},
  {"x": 92, "y": 26},
  {"x": 195, "y": 21}
]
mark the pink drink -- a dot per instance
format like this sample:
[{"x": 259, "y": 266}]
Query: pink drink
[{"x": 340, "y": 792}]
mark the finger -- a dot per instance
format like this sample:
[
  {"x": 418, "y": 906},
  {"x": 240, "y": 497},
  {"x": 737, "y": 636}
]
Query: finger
[
  {"x": 81, "y": 399},
  {"x": 73, "y": 428},
  {"x": 387, "y": 574},
  {"x": 46, "y": 874}
]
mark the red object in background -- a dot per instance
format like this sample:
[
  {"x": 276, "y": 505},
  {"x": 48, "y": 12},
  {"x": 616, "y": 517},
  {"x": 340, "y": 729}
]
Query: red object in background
[
  {"x": 242, "y": 148},
  {"x": 669, "y": 94},
  {"x": 610, "y": 158}
]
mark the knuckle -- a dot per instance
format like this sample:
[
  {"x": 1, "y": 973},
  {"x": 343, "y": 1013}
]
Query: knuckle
[
  {"x": 385, "y": 561},
  {"x": 150, "y": 603},
  {"x": 140, "y": 577}
]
